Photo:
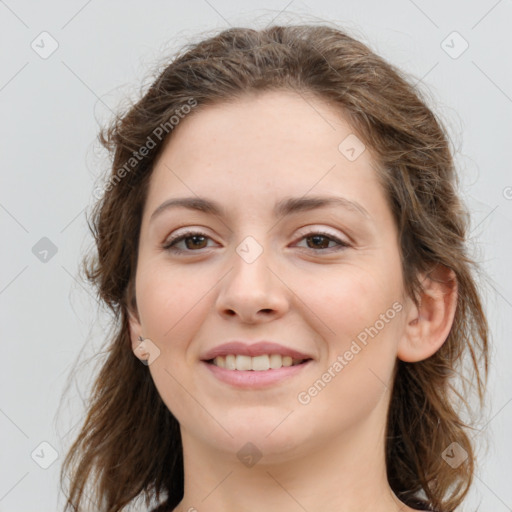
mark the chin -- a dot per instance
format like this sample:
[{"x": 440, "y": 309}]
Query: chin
[{"x": 278, "y": 436}]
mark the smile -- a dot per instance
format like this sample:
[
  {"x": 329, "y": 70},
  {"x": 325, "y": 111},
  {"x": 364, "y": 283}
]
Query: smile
[
  {"x": 236, "y": 371},
  {"x": 256, "y": 363}
]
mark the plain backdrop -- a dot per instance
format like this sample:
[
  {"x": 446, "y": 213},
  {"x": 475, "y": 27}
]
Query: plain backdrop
[{"x": 65, "y": 68}]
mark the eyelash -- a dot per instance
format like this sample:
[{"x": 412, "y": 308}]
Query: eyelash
[{"x": 170, "y": 245}]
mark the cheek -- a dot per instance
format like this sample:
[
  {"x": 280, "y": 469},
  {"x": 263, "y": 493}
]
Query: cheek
[
  {"x": 169, "y": 300},
  {"x": 362, "y": 317},
  {"x": 356, "y": 378},
  {"x": 351, "y": 299},
  {"x": 171, "y": 311}
]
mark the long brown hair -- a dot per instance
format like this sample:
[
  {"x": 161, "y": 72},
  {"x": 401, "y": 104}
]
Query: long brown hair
[{"x": 130, "y": 442}]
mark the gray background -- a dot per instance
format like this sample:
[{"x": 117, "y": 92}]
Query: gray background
[{"x": 51, "y": 107}]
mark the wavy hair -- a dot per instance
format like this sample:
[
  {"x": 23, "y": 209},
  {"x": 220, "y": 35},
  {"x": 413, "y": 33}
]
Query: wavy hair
[{"x": 129, "y": 444}]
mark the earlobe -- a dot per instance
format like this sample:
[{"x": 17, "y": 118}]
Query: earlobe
[
  {"x": 142, "y": 351},
  {"x": 429, "y": 324},
  {"x": 137, "y": 341}
]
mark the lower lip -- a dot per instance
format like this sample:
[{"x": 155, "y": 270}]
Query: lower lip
[{"x": 253, "y": 378}]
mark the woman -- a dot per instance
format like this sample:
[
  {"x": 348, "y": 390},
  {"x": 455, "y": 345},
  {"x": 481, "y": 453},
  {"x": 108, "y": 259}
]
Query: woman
[{"x": 283, "y": 249}]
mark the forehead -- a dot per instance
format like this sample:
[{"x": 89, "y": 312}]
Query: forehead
[
  {"x": 272, "y": 144},
  {"x": 282, "y": 122}
]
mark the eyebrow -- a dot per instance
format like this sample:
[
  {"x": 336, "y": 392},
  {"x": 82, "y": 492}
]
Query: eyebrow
[{"x": 284, "y": 207}]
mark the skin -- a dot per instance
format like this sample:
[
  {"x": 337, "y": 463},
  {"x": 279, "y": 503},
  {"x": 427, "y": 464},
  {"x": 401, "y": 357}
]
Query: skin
[{"x": 327, "y": 454}]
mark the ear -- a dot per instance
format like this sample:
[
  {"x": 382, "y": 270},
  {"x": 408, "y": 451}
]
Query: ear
[
  {"x": 138, "y": 347},
  {"x": 429, "y": 324}
]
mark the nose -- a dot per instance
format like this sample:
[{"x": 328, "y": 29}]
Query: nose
[{"x": 253, "y": 291}]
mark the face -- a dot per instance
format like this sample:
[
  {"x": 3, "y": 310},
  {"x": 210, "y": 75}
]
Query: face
[{"x": 276, "y": 263}]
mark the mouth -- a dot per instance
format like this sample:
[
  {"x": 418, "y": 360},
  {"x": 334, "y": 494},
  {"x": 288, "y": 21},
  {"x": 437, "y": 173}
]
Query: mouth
[
  {"x": 258, "y": 372},
  {"x": 260, "y": 363}
]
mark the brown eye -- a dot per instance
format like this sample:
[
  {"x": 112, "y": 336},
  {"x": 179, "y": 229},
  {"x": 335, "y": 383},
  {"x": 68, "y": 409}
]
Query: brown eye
[
  {"x": 192, "y": 240},
  {"x": 320, "y": 241},
  {"x": 197, "y": 242}
]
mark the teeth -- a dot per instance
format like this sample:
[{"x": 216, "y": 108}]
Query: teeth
[
  {"x": 243, "y": 363},
  {"x": 258, "y": 363},
  {"x": 230, "y": 362},
  {"x": 276, "y": 361}
]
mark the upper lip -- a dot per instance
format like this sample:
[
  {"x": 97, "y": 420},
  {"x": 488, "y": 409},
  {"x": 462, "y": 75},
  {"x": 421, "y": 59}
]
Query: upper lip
[{"x": 253, "y": 349}]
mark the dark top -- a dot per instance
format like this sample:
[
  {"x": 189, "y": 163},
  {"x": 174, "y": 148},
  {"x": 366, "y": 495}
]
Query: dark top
[{"x": 164, "y": 507}]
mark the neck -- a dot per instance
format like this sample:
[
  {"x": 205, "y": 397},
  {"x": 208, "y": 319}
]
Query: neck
[{"x": 346, "y": 474}]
